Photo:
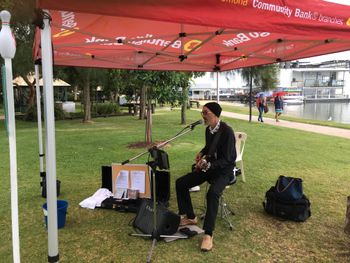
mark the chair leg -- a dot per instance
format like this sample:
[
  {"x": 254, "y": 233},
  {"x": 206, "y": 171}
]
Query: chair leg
[
  {"x": 226, "y": 211},
  {"x": 242, "y": 172}
]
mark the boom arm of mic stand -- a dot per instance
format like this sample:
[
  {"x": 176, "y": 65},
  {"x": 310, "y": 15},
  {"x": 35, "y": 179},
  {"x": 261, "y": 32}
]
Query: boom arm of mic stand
[
  {"x": 187, "y": 130},
  {"x": 135, "y": 157},
  {"x": 160, "y": 145}
]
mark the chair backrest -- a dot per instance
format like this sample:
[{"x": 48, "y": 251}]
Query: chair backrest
[{"x": 241, "y": 137}]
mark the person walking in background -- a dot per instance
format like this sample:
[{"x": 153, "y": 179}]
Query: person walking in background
[
  {"x": 260, "y": 104},
  {"x": 278, "y": 101}
]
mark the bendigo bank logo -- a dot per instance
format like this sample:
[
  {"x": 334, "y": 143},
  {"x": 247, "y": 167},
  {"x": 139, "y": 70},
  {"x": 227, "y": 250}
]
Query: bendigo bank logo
[
  {"x": 69, "y": 24},
  {"x": 348, "y": 22},
  {"x": 188, "y": 46},
  {"x": 65, "y": 32}
]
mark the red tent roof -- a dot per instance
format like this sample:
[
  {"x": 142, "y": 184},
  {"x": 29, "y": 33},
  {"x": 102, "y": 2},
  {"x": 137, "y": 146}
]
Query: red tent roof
[{"x": 194, "y": 35}]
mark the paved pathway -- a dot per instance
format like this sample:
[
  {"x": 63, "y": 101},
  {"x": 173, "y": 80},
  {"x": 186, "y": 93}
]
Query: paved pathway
[{"x": 344, "y": 133}]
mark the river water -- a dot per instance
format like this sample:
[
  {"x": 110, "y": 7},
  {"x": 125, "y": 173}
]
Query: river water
[{"x": 324, "y": 111}]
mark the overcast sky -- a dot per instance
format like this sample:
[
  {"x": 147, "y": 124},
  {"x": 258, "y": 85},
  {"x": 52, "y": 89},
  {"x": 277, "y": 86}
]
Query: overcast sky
[{"x": 335, "y": 56}]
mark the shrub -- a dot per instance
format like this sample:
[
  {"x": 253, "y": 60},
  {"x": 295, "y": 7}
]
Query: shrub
[
  {"x": 106, "y": 109},
  {"x": 31, "y": 113}
]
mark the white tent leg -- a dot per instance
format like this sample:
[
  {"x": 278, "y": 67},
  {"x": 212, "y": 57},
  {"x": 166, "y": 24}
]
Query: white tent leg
[
  {"x": 13, "y": 160},
  {"x": 50, "y": 143},
  {"x": 40, "y": 132}
]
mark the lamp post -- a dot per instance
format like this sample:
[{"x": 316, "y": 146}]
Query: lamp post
[{"x": 250, "y": 93}]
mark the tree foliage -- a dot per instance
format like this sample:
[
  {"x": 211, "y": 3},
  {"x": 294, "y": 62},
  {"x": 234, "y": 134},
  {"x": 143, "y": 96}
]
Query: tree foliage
[
  {"x": 21, "y": 17},
  {"x": 264, "y": 77},
  {"x": 164, "y": 87},
  {"x": 87, "y": 80}
]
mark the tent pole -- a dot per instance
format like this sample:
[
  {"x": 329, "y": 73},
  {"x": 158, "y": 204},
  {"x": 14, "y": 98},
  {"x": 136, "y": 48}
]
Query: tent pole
[
  {"x": 50, "y": 143},
  {"x": 8, "y": 50},
  {"x": 217, "y": 87},
  {"x": 40, "y": 133},
  {"x": 13, "y": 160}
]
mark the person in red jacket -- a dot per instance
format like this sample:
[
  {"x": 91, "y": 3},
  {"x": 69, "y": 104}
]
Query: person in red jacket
[{"x": 261, "y": 104}]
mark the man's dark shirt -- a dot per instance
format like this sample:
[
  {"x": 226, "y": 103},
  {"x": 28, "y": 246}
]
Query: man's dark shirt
[{"x": 224, "y": 157}]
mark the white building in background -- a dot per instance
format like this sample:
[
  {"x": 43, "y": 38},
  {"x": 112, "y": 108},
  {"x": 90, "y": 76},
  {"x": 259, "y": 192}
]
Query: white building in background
[
  {"x": 317, "y": 81},
  {"x": 326, "y": 80},
  {"x": 205, "y": 87}
]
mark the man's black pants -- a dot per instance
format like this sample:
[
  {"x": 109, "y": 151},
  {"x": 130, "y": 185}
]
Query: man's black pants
[{"x": 218, "y": 182}]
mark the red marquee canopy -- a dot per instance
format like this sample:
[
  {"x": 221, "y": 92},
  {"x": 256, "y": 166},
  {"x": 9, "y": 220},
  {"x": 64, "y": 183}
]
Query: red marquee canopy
[{"x": 195, "y": 35}]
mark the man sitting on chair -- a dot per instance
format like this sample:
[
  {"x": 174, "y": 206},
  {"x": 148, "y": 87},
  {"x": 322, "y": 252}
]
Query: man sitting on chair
[{"x": 214, "y": 164}]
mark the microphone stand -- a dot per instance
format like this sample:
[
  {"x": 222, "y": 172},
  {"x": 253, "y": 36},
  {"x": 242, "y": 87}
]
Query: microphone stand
[
  {"x": 185, "y": 130},
  {"x": 153, "y": 164}
]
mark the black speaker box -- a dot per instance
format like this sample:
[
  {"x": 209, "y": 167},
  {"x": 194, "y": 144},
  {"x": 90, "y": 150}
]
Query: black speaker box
[
  {"x": 167, "y": 221},
  {"x": 43, "y": 187},
  {"x": 107, "y": 177},
  {"x": 162, "y": 187}
]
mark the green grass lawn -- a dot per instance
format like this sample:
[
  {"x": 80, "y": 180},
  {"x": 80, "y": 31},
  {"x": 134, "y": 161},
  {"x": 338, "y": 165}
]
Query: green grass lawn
[{"x": 103, "y": 235}]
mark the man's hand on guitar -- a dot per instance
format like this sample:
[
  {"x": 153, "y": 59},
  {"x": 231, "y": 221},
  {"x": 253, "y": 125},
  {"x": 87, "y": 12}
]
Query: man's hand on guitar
[
  {"x": 198, "y": 157},
  {"x": 203, "y": 164}
]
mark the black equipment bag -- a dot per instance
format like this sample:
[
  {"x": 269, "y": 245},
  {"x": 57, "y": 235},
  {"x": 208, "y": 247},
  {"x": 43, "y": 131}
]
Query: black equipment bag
[
  {"x": 289, "y": 188},
  {"x": 167, "y": 221},
  {"x": 296, "y": 210},
  {"x": 121, "y": 205}
]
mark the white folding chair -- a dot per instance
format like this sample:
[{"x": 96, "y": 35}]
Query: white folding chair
[
  {"x": 241, "y": 137},
  {"x": 225, "y": 210}
]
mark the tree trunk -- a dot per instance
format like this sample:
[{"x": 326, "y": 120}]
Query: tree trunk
[
  {"x": 347, "y": 218},
  {"x": 149, "y": 123},
  {"x": 184, "y": 105},
  {"x": 87, "y": 101},
  {"x": 250, "y": 94},
  {"x": 31, "y": 96},
  {"x": 75, "y": 93},
  {"x": 142, "y": 103}
]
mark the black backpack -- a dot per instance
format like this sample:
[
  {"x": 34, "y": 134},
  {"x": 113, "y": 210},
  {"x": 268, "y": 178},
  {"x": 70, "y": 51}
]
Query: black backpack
[{"x": 295, "y": 210}]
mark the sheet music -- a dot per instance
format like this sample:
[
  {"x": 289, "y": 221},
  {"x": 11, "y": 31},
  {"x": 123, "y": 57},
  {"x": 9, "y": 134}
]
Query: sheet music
[
  {"x": 122, "y": 180},
  {"x": 138, "y": 180},
  {"x": 120, "y": 193}
]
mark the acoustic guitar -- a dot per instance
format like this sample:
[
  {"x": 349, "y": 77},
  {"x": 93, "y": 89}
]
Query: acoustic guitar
[{"x": 203, "y": 164}]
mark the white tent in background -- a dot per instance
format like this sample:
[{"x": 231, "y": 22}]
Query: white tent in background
[{"x": 19, "y": 81}]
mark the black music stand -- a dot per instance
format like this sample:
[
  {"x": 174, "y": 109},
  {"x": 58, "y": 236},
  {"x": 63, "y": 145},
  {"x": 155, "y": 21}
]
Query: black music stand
[{"x": 160, "y": 160}]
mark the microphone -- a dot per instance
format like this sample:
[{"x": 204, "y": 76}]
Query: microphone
[{"x": 192, "y": 125}]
